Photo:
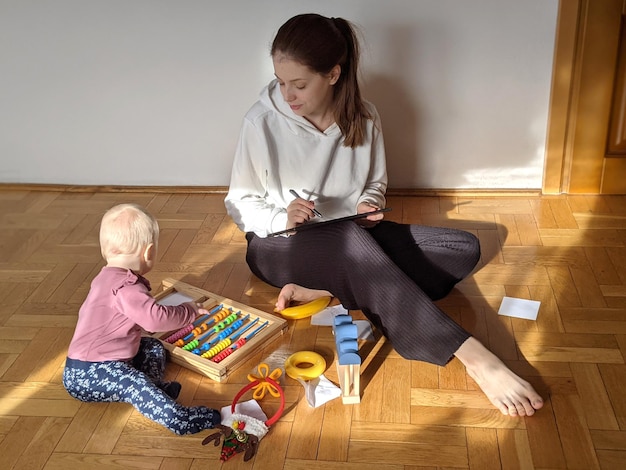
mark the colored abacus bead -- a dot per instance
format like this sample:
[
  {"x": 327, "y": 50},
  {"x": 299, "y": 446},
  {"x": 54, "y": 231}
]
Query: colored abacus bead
[
  {"x": 191, "y": 345},
  {"x": 179, "y": 334},
  {"x": 223, "y": 355},
  {"x": 217, "y": 348}
]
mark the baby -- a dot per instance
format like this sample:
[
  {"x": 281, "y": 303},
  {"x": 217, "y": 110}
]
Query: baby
[{"x": 108, "y": 358}]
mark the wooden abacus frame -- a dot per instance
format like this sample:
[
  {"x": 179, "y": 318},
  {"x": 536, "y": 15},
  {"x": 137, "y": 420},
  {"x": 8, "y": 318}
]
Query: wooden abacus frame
[{"x": 218, "y": 371}]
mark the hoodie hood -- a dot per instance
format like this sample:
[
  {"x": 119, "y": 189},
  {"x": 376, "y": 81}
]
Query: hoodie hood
[{"x": 272, "y": 98}]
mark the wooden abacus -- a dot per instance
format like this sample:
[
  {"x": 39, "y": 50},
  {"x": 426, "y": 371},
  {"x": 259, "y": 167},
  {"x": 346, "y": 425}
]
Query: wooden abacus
[{"x": 224, "y": 339}]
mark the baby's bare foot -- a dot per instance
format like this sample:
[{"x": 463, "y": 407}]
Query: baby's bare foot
[{"x": 509, "y": 393}]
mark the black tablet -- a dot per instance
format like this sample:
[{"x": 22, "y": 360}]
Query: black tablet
[{"x": 300, "y": 228}]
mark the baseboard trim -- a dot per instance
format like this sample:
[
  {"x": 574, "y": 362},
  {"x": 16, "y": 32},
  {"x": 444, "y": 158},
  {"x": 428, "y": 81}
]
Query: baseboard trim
[
  {"x": 413, "y": 192},
  {"x": 71, "y": 188},
  {"x": 391, "y": 192}
]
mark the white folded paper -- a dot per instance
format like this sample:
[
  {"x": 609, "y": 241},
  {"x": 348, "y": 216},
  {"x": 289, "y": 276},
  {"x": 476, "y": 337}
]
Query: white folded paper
[
  {"x": 319, "y": 391},
  {"x": 326, "y": 316},
  {"x": 519, "y": 308},
  {"x": 248, "y": 408}
]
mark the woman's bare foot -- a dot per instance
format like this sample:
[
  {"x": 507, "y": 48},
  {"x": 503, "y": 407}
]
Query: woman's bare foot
[
  {"x": 296, "y": 293},
  {"x": 509, "y": 393}
]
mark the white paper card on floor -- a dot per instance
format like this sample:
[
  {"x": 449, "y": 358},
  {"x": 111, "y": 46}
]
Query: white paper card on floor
[
  {"x": 519, "y": 308},
  {"x": 326, "y": 316}
]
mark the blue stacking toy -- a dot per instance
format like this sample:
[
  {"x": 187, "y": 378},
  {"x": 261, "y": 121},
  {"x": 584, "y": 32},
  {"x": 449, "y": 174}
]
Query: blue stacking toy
[
  {"x": 346, "y": 335},
  {"x": 348, "y": 358}
]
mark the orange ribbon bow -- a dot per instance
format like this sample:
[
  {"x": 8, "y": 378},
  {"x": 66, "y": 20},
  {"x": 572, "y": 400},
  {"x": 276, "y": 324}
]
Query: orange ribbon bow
[{"x": 263, "y": 385}]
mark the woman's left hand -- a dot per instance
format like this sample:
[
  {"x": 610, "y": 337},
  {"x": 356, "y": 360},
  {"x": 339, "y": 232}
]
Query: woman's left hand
[{"x": 370, "y": 220}]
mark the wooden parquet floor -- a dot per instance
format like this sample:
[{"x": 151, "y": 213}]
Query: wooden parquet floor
[{"x": 568, "y": 252}]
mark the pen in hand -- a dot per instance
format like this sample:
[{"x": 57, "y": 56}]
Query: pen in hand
[{"x": 295, "y": 194}]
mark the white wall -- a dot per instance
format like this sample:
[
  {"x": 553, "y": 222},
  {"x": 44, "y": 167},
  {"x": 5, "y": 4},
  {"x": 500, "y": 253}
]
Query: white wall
[{"x": 152, "y": 92}]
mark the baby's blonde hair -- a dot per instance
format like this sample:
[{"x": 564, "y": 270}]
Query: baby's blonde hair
[{"x": 126, "y": 229}]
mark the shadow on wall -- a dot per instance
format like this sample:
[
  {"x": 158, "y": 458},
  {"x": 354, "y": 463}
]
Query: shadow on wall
[
  {"x": 400, "y": 128},
  {"x": 396, "y": 106}
]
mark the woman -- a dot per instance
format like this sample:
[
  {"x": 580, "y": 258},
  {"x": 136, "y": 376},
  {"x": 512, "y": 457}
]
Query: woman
[{"x": 312, "y": 134}]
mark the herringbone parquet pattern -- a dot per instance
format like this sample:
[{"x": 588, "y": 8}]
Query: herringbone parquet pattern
[{"x": 568, "y": 252}]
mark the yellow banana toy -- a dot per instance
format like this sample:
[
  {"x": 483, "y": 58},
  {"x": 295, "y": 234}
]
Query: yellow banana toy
[{"x": 305, "y": 310}]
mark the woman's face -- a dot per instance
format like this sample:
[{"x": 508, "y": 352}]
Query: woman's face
[{"x": 308, "y": 94}]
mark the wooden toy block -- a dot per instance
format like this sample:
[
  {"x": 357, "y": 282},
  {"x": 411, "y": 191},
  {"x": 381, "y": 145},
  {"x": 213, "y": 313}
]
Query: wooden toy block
[
  {"x": 174, "y": 292},
  {"x": 349, "y": 382}
]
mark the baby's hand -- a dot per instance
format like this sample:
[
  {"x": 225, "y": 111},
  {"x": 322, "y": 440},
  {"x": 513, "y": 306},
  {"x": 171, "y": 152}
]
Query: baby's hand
[{"x": 198, "y": 308}]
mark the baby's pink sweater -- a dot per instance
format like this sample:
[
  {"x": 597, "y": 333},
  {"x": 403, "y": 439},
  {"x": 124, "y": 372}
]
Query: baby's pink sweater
[{"x": 117, "y": 308}]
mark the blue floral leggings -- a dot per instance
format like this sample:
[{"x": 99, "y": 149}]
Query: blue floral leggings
[{"x": 140, "y": 383}]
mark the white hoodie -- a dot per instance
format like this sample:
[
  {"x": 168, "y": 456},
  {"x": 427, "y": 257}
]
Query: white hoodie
[{"x": 279, "y": 150}]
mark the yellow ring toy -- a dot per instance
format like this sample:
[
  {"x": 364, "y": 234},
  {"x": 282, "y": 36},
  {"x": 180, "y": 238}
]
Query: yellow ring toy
[{"x": 294, "y": 369}]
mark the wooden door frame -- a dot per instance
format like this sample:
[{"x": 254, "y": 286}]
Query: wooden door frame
[{"x": 582, "y": 83}]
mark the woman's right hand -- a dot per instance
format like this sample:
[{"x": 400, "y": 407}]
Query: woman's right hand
[{"x": 299, "y": 211}]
